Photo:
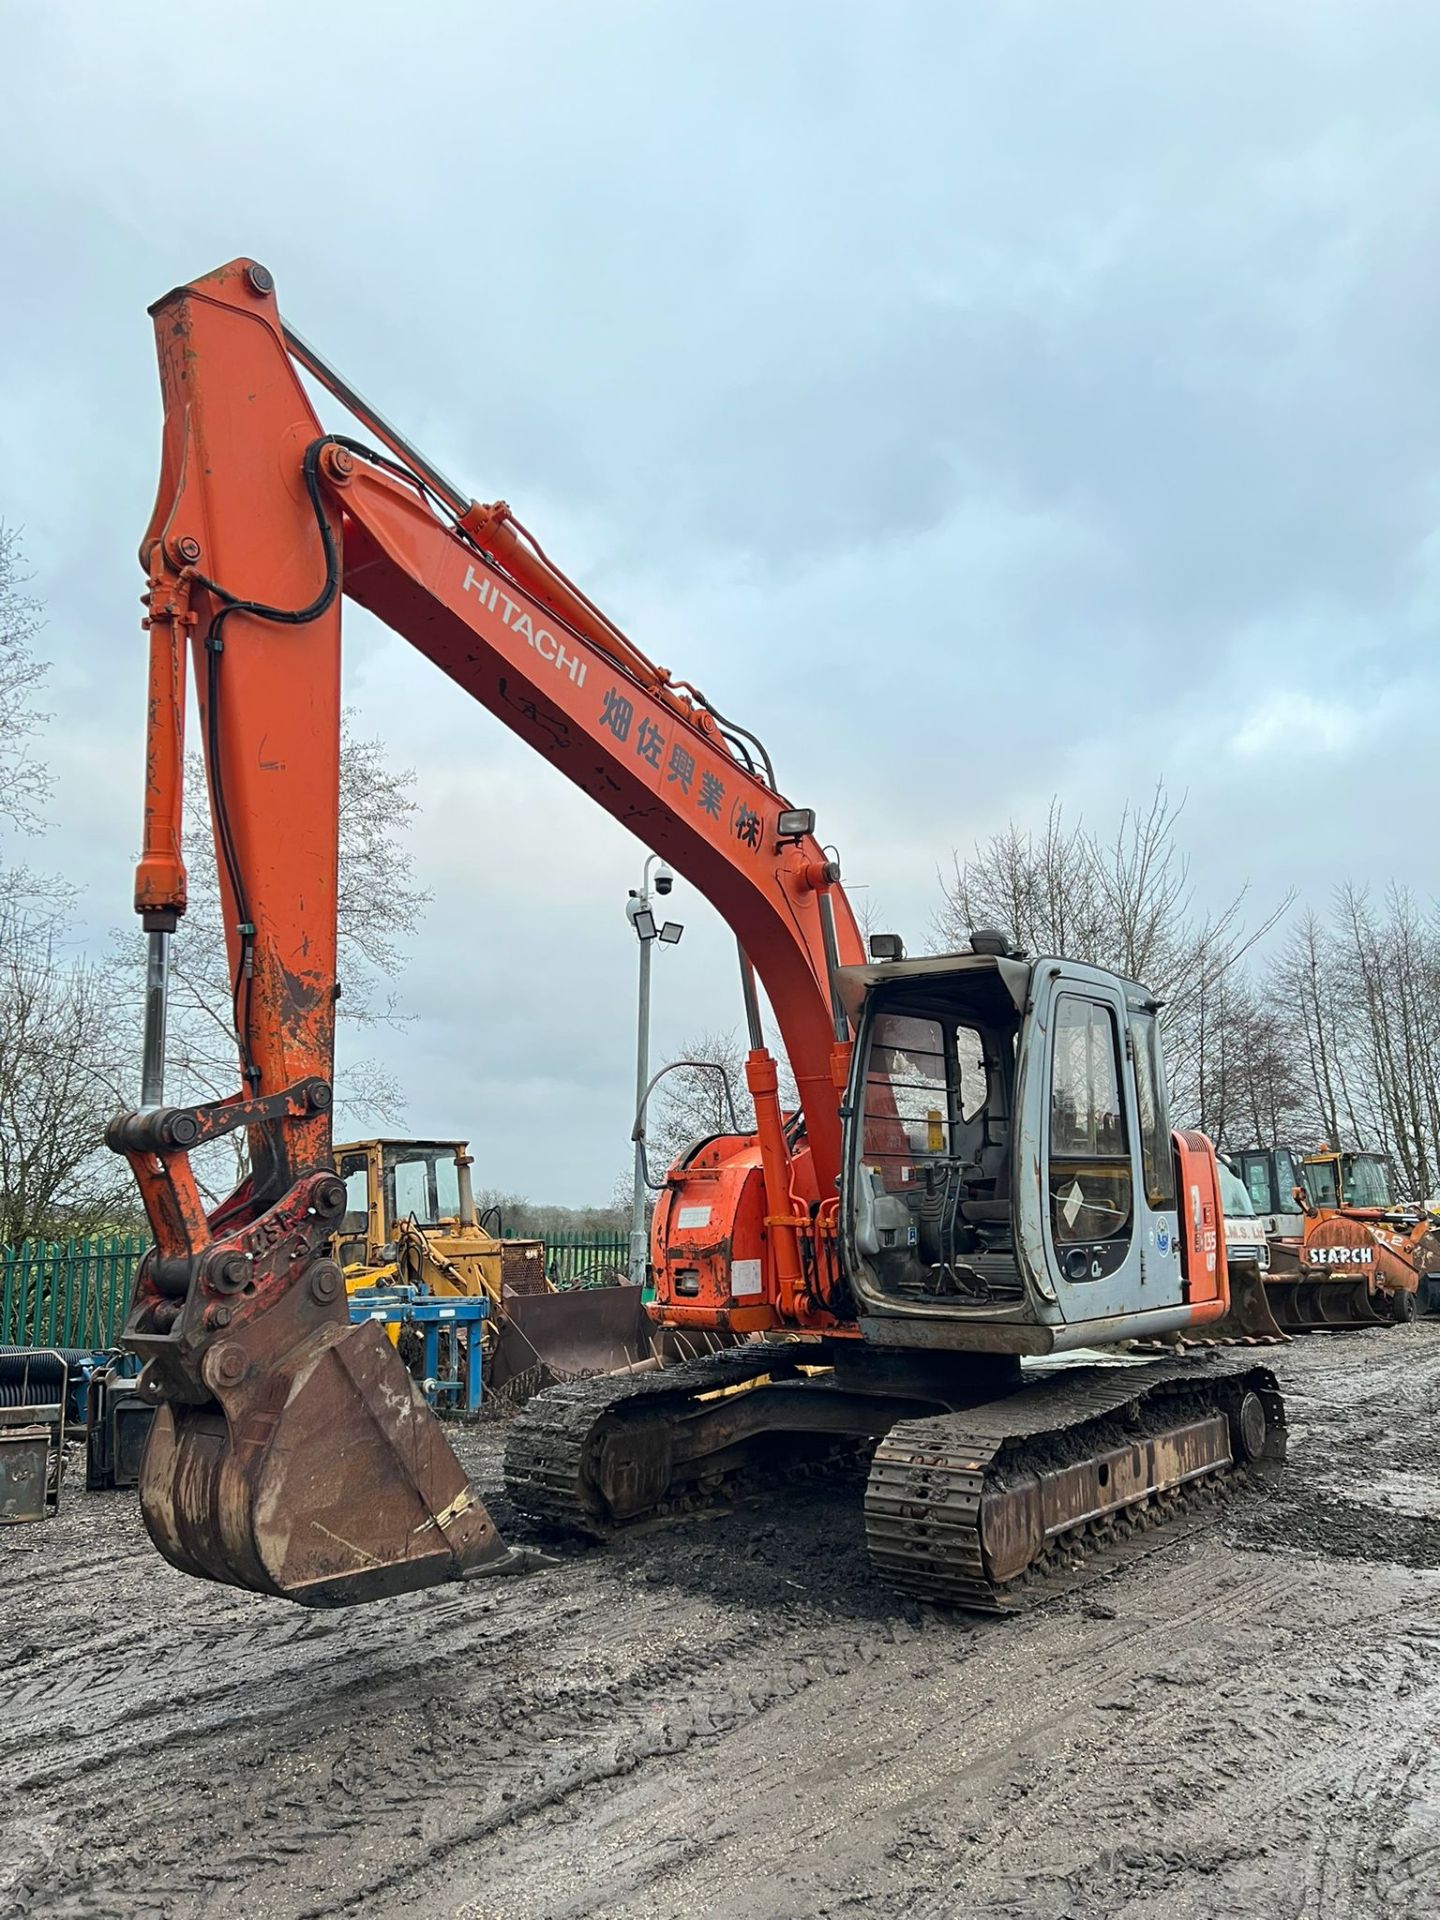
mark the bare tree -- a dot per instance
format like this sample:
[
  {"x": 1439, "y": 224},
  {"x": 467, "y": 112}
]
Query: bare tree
[
  {"x": 58, "y": 1079},
  {"x": 58, "y": 1035},
  {"x": 1270, "y": 1096},
  {"x": 1124, "y": 901},
  {"x": 1383, "y": 1028},
  {"x": 1311, "y": 1007},
  {"x": 24, "y": 777},
  {"x": 691, "y": 1102}
]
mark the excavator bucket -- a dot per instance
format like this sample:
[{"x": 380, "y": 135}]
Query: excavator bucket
[
  {"x": 1250, "y": 1321},
  {"x": 325, "y": 1480},
  {"x": 546, "y": 1337}
]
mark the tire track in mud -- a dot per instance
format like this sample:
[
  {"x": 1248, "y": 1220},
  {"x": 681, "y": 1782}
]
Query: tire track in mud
[
  {"x": 1355, "y": 1869},
  {"x": 957, "y": 1639},
  {"x": 734, "y": 1718},
  {"x": 989, "y": 1716},
  {"x": 1158, "y": 1770},
  {"x": 530, "y": 1748}
]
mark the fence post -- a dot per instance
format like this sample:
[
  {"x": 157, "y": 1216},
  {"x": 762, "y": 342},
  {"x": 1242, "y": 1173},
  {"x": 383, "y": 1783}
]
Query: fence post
[
  {"x": 34, "y": 1267},
  {"x": 64, "y": 1304}
]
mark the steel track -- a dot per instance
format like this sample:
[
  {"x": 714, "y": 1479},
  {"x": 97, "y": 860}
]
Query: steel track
[{"x": 931, "y": 1478}]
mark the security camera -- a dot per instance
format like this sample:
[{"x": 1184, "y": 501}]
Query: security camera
[{"x": 664, "y": 880}]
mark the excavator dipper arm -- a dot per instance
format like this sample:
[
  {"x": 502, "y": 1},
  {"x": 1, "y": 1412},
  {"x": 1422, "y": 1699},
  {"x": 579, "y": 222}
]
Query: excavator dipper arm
[{"x": 291, "y": 1453}]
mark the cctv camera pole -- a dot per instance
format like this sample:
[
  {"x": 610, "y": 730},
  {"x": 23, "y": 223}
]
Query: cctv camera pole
[
  {"x": 638, "y": 909},
  {"x": 639, "y": 1253}
]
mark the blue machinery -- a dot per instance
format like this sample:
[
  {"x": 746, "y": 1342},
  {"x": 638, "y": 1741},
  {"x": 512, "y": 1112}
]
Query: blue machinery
[{"x": 458, "y": 1389}]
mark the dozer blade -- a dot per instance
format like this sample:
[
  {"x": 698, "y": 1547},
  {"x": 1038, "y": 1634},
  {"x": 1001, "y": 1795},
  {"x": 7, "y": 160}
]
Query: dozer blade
[
  {"x": 1250, "y": 1320},
  {"x": 546, "y": 1337},
  {"x": 326, "y": 1480}
]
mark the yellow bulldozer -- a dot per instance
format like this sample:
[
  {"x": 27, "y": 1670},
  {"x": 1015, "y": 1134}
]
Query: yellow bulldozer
[{"x": 411, "y": 1221}]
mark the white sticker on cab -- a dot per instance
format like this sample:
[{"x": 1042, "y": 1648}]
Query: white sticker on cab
[
  {"x": 745, "y": 1277},
  {"x": 694, "y": 1217}
]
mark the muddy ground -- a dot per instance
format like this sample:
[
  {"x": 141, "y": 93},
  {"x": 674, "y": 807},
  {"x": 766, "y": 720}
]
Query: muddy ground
[{"x": 733, "y": 1719}]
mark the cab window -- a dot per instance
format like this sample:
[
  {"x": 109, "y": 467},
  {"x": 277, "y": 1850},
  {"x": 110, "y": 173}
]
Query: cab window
[
  {"x": 412, "y": 1191},
  {"x": 1090, "y": 1175},
  {"x": 447, "y": 1187},
  {"x": 1366, "y": 1182},
  {"x": 906, "y": 1097},
  {"x": 1257, "y": 1182},
  {"x": 1150, "y": 1108},
  {"x": 1319, "y": 1177},
  {"x": 972, "y": 1077},
  {"x": 1234, "y": 1195},
  {"x": 357, "y": 1199}
]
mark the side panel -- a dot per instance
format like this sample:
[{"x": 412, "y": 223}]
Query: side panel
[
  {"x": 708, "y": 1241},
  {"x": 1202, "y": 1225}
]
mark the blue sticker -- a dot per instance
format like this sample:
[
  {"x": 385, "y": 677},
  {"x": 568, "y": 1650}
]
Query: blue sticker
[{"x": 1162, "y": 1236}]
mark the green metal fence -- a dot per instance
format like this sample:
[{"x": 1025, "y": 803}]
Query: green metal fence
[
  {"x": 67, "y": 1293},
  {"x": 74, "y": 1293},
  {"x": 587, "y": 1259}
]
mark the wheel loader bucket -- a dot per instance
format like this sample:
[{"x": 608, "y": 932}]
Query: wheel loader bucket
[
  {"x": 1250, "y": 1321},
  {"x": 1312, "y": 1306},
  {"x": 546, "y": 1337},
  {"x": 323, "y": 1478}
]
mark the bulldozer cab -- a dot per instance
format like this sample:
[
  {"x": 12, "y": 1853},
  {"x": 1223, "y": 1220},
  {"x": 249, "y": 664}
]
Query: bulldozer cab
[
  {"x": 387, "y": 1181},
  {"x": 410, "y": 1219}
]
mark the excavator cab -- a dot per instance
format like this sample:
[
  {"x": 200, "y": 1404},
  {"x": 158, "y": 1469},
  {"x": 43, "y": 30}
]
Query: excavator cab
[{"x": 1009, "y": 1157}]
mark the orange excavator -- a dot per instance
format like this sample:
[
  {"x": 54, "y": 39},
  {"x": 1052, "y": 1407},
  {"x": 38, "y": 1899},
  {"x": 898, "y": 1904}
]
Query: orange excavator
[{"x": 981, "y": 1172}]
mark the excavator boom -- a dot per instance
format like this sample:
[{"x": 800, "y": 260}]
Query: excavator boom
[{"x": 292, "y": 1454}]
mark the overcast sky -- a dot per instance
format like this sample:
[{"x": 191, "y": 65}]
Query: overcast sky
[{"x": 979, "y": 401}]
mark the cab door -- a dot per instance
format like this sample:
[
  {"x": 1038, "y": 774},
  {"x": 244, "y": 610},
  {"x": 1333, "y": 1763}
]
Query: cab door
[{"x": 1083, "y": 1204}]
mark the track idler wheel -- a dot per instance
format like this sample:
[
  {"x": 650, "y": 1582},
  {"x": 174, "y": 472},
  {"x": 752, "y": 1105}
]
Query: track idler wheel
[{"x": 321, "y": 1476}]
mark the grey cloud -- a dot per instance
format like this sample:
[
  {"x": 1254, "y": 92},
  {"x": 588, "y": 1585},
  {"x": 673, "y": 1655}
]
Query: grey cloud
[{"x": 979, "y": 402}]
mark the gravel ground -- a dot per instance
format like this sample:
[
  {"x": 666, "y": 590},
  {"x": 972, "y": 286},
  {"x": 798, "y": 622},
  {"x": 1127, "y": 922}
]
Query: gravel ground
[{"x": 732, "y": 1718}]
